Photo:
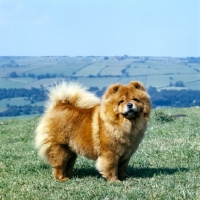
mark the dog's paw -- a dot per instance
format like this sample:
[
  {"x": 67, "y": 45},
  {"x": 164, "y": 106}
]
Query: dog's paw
[{"x": 62, "y": 179}]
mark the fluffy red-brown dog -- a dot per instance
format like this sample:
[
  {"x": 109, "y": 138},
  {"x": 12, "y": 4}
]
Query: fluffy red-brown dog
[{"x": 108, "y": 130}]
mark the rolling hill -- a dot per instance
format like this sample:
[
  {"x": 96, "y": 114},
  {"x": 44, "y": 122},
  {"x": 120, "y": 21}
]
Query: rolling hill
[
  {"x": 25, "y": 78},
  {"x": 159, "y": 72}
]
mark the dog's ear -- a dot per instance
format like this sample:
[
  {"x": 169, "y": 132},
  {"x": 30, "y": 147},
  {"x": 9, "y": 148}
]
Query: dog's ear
[
  {"x": 137, "y": 85},
  {"x": 147, "y": 109},
  {"x": 113, "y": 89}
]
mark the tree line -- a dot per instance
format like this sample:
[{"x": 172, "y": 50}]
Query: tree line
[
  {"x": 174, "y": 98},
  {"x": 165, "y": 98},
  {"x": 40, "y": 76},
  {"x": 34, "y": 94},
  {"x": 22, "y": 110}
]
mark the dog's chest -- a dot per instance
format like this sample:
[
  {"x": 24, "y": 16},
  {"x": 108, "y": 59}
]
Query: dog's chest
[{"x": 126, "y": 143}]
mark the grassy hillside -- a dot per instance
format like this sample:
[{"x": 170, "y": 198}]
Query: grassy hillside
[{"x": 166, "y": 165}]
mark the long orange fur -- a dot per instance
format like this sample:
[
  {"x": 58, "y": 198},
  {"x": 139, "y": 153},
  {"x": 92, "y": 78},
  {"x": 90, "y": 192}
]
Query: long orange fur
[{"x": 76, "y": 122}]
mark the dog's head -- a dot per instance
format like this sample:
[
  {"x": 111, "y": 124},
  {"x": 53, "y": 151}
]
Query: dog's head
[{"x": 129, "y": 100}]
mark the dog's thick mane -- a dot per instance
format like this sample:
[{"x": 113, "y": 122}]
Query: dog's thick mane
[{"x": 71, "y": 93}]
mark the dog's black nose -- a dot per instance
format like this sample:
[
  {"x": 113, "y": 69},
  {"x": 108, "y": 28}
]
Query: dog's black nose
[{"x": 129, "y": 105}]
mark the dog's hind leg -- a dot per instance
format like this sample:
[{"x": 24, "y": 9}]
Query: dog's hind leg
[
  {"x": 70, "y": 165},
  {"x": 58, "y": 156}
]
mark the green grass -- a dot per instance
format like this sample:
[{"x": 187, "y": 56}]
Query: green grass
[{"x": 166, "y": 165}]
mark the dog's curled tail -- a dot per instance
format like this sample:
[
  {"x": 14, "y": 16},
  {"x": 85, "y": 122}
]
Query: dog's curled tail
[
  {"x": 71, "y": 93},
  {"x": 61, "y": 94}
]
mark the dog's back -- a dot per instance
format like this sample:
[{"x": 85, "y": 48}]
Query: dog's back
[{"x": 67, "y": 104}]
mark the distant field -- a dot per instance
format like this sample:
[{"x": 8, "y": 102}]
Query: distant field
[
  {"x": 3, "y": 108},
  {"x": 92, "y": 69},
  {"x": 126, "y": 80},
  {"x": 99, "y": 71},
  {"x": 17, "y": 82},
  {"x": 99, "y": 82},
  {"x": 18, "y": 101},
  {"x": 194, "y": 85},
  {"x": 52, "y": 70},
  {"x": 112, "y": 70}
]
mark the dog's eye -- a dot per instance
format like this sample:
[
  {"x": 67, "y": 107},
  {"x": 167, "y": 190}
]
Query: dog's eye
[
  {"x": 135, "y": 99},
  {"x": 121, "y": 101}
]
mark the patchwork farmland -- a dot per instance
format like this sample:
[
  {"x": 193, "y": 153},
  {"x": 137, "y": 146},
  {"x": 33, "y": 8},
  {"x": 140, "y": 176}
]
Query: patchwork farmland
[
  {"x": 99, "y": 71},
  {"x": 96, "y": 73}
]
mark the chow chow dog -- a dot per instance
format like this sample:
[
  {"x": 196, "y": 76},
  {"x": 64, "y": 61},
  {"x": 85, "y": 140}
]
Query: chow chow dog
[{"x": 107, "y": 130}]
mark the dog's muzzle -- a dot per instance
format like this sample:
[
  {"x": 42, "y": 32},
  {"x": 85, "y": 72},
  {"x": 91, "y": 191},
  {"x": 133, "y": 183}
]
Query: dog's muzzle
[{"x": 131, "y": 111}]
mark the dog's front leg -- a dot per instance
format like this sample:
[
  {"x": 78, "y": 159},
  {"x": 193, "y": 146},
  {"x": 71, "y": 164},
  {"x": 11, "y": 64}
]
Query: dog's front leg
[
  {"x": 107, "y": 165},
  {"x": 122, "y": 169}
]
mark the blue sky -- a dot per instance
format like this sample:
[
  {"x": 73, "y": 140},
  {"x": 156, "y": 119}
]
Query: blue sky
[{"x": 100, "y": 28}]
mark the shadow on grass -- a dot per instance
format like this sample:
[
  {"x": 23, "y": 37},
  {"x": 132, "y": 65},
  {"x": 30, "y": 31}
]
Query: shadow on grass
[
  {"x": 132, "y": 172},
  {"x": 84, "y": 172},
  {"x": 150, "y": 172}
]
